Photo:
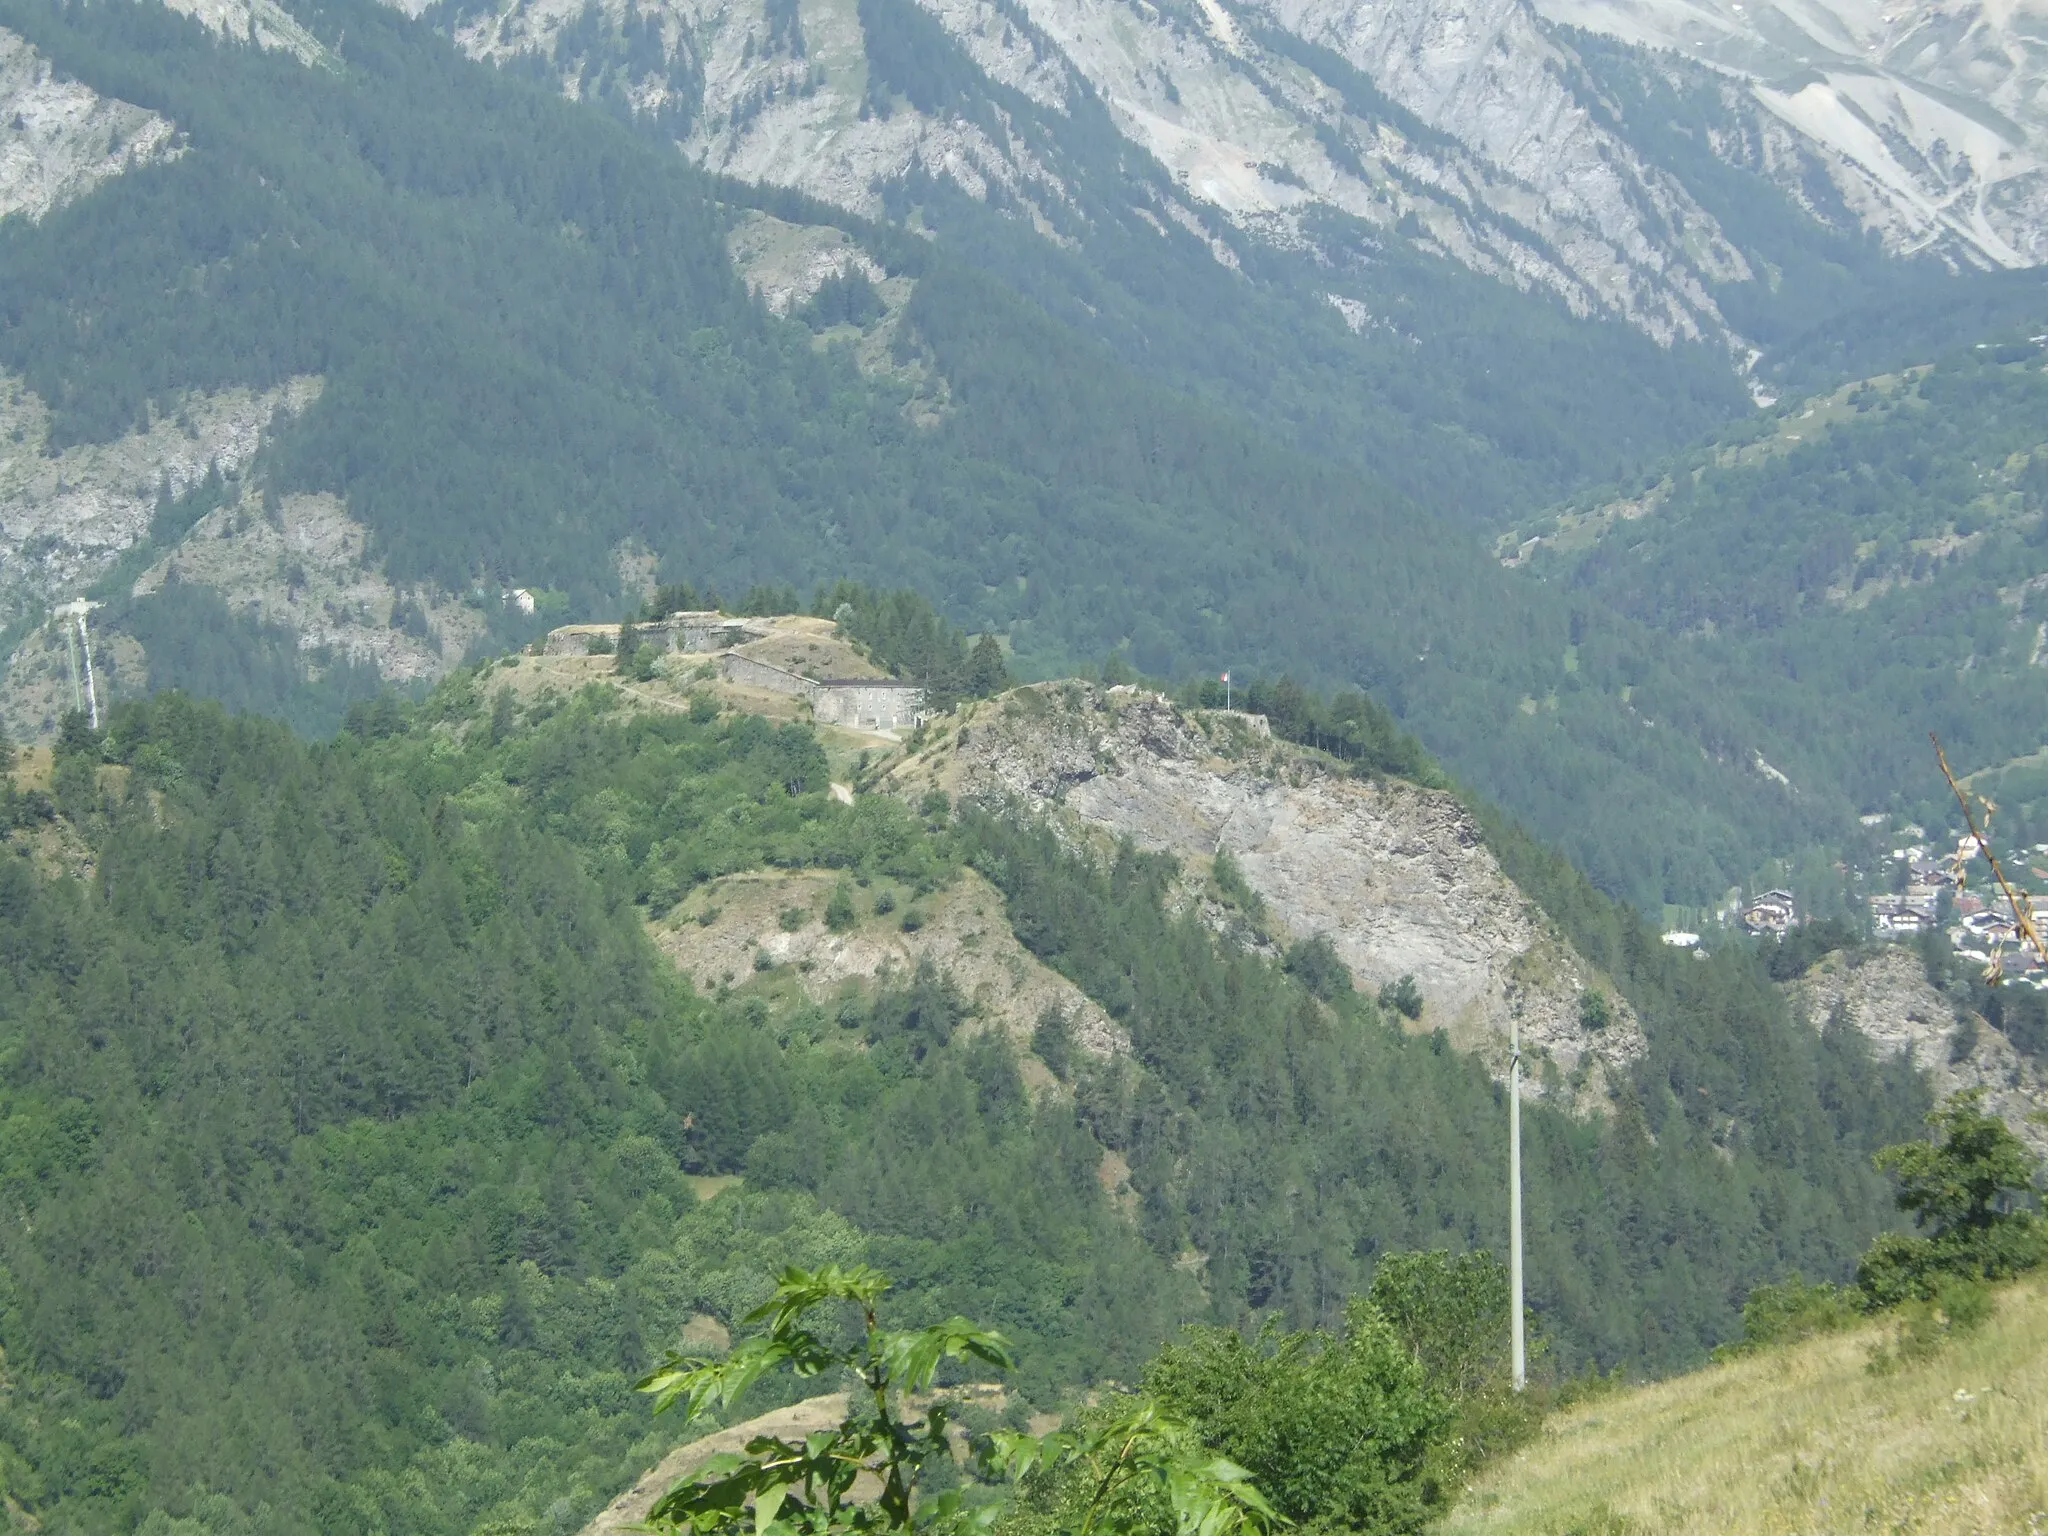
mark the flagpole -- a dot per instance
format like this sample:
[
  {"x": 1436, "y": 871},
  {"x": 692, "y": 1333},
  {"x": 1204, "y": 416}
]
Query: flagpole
[{"x": 1515, "y": 1203}]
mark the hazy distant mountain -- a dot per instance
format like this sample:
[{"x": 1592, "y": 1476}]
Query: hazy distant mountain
[{"x": 1656, "y": 186}]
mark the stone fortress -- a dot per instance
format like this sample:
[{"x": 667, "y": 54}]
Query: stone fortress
[{"x": 791, "y": 654}]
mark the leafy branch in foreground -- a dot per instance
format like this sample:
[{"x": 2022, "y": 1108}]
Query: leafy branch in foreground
[
  {"x": 2018, "y": 903},
  {"x": 1145, "y": 1469},
  {"x": 808, "y": 1488},
  {"x": 1137, "y": 1469}
]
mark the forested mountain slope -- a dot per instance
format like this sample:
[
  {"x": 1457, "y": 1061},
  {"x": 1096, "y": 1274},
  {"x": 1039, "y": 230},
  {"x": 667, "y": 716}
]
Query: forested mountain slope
[
  {"x": 360, "y": 1129},
  {"x": 518, "y": 354},
  {"x": 445, "y": 336},
  {"x": 1865, "y": 566},
  {"x": 1695, "y": 191}
]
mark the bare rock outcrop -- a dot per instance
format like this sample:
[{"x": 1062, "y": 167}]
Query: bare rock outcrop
[
  {"x": 726, "y": 933},
  {"x": 66, "y": 517},
  {"x": 59, "y": 139},
  {"x": 1395, "y": 875},
  {"x": 1887, "y": 997}
]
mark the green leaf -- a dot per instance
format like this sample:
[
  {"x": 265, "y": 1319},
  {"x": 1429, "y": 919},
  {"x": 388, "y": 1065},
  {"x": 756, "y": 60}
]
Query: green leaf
[
  {"x": 709, "y": 1384},
  {"x": 912, "y": 1359},
  {"x": 797, "y": 1291}
]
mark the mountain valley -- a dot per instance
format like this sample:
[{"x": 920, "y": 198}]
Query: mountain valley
[
  {"x": 1390, "y": 421},
  {"x": 658, "y": 657}
]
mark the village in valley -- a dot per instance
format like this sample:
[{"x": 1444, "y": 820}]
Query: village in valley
[
  {"x": 1954, "y": 892},
  {"x": 1933, "y": 883}
]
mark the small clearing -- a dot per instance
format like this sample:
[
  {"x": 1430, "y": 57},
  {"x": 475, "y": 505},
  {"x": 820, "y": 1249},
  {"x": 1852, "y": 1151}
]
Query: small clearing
[
  {"x": 965, "y": 932},
  {"x": 629, "y": 1509}
]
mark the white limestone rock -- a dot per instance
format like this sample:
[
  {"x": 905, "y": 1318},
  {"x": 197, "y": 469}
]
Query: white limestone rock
[{"x": 59, "y": 139}]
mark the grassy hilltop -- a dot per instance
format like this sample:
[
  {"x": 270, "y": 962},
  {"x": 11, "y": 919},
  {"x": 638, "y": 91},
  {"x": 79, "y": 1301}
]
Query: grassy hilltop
[{"x": 1806, "y": 1438}]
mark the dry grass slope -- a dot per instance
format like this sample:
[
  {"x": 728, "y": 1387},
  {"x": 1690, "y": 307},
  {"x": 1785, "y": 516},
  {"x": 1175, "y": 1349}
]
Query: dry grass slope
[{"x": 1804, "y": 1439}]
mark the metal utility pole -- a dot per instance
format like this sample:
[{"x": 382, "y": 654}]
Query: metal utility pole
[
  {"x": 92, "y": 693},
  {"x": 71, "y": 667},
  {"x": 76, "y": 612},
  {"x": 1515, "y": 1203}
]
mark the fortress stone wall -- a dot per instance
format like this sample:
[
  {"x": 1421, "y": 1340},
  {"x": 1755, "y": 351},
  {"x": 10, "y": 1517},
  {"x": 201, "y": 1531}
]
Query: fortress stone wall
[
  {"x": 868, "y": 703},
  {"x": 745, "y": 670},
  {"x": 695, "y": 633},
  {"x": 879, "y": 705}
]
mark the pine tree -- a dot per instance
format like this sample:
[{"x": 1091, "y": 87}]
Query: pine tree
[{"x": 987, "y": 673}]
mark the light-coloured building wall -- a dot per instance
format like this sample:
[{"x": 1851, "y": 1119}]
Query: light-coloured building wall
[{"x": 883, "y": 706}]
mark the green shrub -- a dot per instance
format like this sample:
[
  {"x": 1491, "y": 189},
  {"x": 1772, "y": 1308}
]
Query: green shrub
[
  {"x": 885, "y": 903},
  {"x": 1232, "y": 885},
  {"x": 1452, "y": 1313},
  {"x": 1969, "y": 1190},
  {"x": 793, "y": 918},
  {"x": 913, "y": 919},
  {"x": 1593, "y": 1010},
  {"x": 1335, "y": 1429},
  {"x": 1052, "y": 1040},
  {"x": 839, "y": 912},
  {"x": 1953, "y": 1308},
  {"x": 1791, "y": 1309},
  {"x": 1315, "y": 964},
  {"x": 1402, "y": 997}
]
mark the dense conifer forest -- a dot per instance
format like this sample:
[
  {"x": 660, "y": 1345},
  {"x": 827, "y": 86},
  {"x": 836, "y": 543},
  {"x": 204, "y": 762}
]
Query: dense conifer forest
[
  {"x": 1863, "y": 565},
  {"x": 361, "y": 1145},
  {"x": 359, "y": 1133}
]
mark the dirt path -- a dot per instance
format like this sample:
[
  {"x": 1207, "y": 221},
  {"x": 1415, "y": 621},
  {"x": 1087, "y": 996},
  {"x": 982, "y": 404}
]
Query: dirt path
[{"x": 630, "y": 1508}]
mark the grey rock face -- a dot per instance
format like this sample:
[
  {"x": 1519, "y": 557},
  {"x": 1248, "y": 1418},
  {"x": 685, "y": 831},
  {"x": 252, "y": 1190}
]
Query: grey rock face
[
  {"x": 59, "y": 140},
  {"x": 64, "y": 518},
  {"x": 1887, "y": 998},
  {"x": 1396, "y": 876},
  {"x": 1501, "y": 152},
  {"x": 1931, "y": 118}
]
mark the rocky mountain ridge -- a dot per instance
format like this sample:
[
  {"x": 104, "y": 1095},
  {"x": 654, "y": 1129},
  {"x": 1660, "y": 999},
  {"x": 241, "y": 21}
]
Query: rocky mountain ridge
[
  {"x": 66, "y": 517},
  {"x": 1930, "y": 116},
  {"x": 59, "y": 139},
  {"x": 1481, "y": 130},
  {"x": 1395, "y": 876}
]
